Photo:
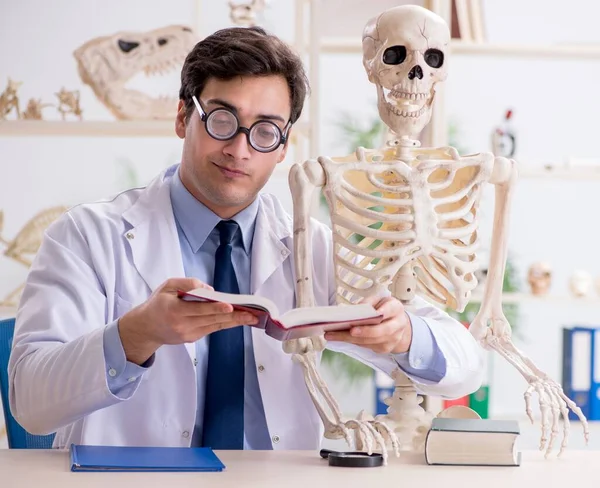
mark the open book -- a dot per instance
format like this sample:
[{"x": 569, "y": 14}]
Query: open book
[{"x": 295, "y": 323}]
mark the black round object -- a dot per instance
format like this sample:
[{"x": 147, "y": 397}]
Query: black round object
[{"x": 355, "y": 459}]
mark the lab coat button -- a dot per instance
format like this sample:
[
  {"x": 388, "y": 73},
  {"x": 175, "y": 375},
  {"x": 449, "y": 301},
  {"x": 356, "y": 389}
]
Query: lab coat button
[
  {"x": 130, "y": 235},
  {"x": 185, "y": 434},
  {"x": 284, "y": 253},
  {"x": 132, "y": 379},
  {"x": 112, "y": 372},
  {"x": 275, "y": 439},
  {"x": 261, "y": 368}
]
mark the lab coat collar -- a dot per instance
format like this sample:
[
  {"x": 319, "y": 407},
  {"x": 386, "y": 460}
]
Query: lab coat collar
[
  {"x": 269, "y": 250},
  {"x": 153, "y": 235},
  {"x": 153, "y": 227}
]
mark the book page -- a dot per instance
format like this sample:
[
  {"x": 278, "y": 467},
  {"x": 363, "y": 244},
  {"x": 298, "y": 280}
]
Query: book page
[
  {"x": 252, "y": 301},
  {"x": 318, "y": 315}
]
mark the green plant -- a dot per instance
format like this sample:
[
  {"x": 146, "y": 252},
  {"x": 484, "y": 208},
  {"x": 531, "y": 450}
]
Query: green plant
[
  {"x": 352, "y": 370},
  {"x": 358, "y": 133},
  {"x": 454, "y": 138}
]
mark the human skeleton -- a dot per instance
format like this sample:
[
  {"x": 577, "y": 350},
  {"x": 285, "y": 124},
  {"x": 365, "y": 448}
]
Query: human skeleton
[{"x": 404, "y": 219}]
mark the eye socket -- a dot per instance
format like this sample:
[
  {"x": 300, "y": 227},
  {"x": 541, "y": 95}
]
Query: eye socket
[
  {"x": 434, "y": 58},
  {"x": 394, "y": 55},
  {"x": 127, "y": 46}
]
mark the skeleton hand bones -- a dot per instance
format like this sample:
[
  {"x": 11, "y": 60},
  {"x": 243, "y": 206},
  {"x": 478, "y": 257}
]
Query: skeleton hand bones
[{"x": 492, "y": 330}]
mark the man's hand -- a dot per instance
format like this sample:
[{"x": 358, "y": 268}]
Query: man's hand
[
  {"x": 392, "y": 335},
  {"x": 166, "y": 319}
]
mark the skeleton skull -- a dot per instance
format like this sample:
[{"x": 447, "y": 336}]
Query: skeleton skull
[
  {"x": 404, "y": 54},
  {"x": 539, "y": 278},
  {"x": 580, "y": 283}
]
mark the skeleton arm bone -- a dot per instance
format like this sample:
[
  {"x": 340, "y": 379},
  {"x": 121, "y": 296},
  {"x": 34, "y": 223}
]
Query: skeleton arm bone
[
  {"x": 553, "y": 402},
  {"x": 304, "y": 180}
]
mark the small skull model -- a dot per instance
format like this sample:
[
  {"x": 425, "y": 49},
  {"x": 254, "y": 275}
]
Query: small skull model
[
  {"x": 404, "y": 54},
  {"x": 245, "y": 14},
  {"x": 539, "y": 278},
  {"x": 580, "y": 283}
]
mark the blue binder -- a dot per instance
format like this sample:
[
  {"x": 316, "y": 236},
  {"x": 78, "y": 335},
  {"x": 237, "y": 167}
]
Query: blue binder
[
  {"x": 581, "y": 360},
  {"x": 595, "y": 377},
  {"x": 158, "y": 459}
]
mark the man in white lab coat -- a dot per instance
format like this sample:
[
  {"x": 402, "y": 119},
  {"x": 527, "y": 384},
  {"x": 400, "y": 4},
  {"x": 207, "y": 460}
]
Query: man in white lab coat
[{"x": 105, "y": 353}]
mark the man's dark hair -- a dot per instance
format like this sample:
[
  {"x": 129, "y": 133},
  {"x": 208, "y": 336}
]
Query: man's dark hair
[{"x": 242, "y": 51}]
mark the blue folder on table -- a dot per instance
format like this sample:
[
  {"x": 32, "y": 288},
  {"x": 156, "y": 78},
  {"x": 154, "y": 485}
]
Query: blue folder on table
[{"x": 116, "y": 458}]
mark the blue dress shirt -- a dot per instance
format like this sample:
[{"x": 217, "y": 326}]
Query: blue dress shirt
[{"x": 199, "y": 241}]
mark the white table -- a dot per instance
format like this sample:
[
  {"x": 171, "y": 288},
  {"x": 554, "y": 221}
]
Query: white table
[{"x": 303, "y": 469}]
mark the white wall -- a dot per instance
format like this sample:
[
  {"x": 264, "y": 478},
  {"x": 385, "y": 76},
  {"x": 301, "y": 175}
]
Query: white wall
[{"x": 555, "y": 104}]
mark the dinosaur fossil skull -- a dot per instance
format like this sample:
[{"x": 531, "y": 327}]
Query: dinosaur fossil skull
[
  {"x": 404, "y": 55},
  {"x": 108, "y": 63}
]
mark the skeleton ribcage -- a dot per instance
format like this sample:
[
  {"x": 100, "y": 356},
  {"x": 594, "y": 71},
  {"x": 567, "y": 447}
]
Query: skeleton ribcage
[{"x": 389, "y": 214}]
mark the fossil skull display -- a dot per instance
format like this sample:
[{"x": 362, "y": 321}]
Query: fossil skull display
[
  {"x": 581, "y": 283},
  {"x": 108, "y": 63},
  {"x": 23, "y": 247},
  {"x": 539, "y": 278}
]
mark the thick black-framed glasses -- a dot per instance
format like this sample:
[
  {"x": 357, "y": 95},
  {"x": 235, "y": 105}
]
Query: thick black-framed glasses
[{"x": 222, "y": 124}]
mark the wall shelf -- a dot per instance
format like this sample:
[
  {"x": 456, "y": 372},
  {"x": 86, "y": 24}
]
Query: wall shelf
[
  {"x": 100, "y": 128},
  {"x": 592, "y": 299},
  {"x": 574, "y": 173},
  {"x": 556, "y": 51},
  {"x": 353, "y": 45},
  {"x": 88, "y": 128}
]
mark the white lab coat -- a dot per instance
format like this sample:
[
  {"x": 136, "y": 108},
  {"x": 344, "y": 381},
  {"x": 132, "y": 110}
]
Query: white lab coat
[{"x": 101, "y": 259}]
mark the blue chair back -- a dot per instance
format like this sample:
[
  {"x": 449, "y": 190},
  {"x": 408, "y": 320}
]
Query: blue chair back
[{"x": 18, "y": 437}]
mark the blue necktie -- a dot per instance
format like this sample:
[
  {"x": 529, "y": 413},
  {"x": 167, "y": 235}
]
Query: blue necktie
[{"x": 223, "y": 424}]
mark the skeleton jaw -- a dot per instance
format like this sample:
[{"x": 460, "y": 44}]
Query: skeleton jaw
[
  {"x": 405, "y": 112},
  {"x": 406, "y": 104}
]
